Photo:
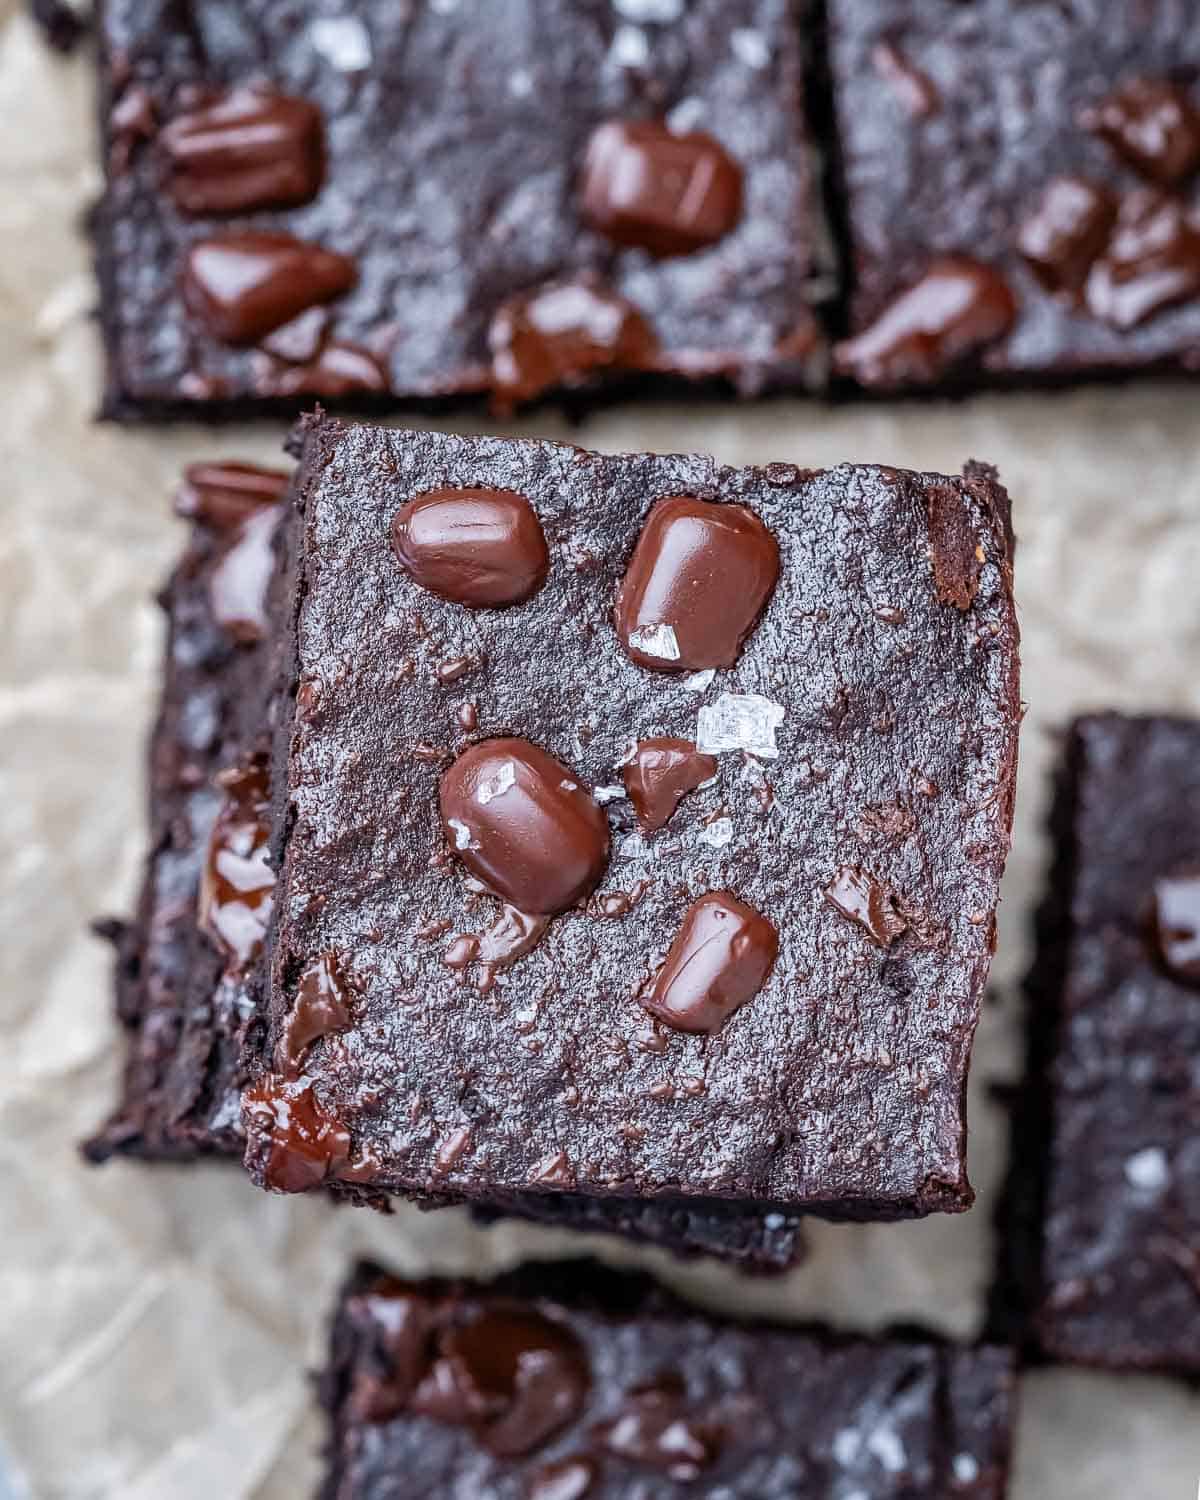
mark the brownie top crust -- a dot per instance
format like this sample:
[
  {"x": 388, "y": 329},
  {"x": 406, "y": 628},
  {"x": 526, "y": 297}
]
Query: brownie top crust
[
  {"x": 385, "y": 200},
  {"x": 1022, "y": 184},
  {"x": 565, "y": 1381},
  {"x": 857, "y": 819}
]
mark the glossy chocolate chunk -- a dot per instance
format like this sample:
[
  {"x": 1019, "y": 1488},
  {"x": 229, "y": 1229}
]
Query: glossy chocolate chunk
[
  {"x": 559, "y": 334},
  {"x": 1152, "y": 262},
  {"x": 250, "y": 148},
  {"x": 1066, "y": 232},
  {"x": 321, "y": 1007},
  {"x": 1154, "y": 124},
  {"x": 699, "y": 578},
  {"x": 857, "y": 894},
  {"x": 337, "y": 370},
  {"x": 237, "y": 885},
  {"x": 300, "y": 1145},
  {"x": 1177, "y": 923},
  {"x": 238, "y": 586},
  {"x": 957, "y": 308},
  {"x": 521, "y": 822},
  {"x": 223, "y": 495},
  {"x": 655, "y": 1429},
  {"x": 719, "y": 960},
  {"x": 514, "y": 1376},
  {"x": 479, "y": 547},
  {"x": 647, "y": 187},
  {"x": 244, "y": 284},
  {"x": 660, "y": 774}
]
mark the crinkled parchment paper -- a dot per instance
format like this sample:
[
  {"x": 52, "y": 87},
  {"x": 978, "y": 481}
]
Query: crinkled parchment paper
[{"x": 156, "y": 1324}]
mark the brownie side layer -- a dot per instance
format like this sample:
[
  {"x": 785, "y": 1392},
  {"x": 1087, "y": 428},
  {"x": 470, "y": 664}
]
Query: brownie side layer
[
  {"x": 666, "y": 1400},
  {"x": 892, "y": 641},
  {"x": 952, "y": 121},
  {"x": 448, "y": 191},
  {"x": 1103, "y": 1207},
  {"x": 180, "y": 1090}
]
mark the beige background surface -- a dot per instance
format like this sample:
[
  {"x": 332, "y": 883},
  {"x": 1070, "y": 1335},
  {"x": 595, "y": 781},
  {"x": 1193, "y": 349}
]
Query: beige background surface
[{"x": 155, "y": 1324}]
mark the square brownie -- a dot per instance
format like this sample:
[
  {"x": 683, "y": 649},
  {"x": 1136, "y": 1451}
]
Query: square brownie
[
  {"x": 1102, "y": 1228},
  {"x": 365, "y": 201},
  {"x": 1021, "y": 189},
  {"x": 566, "y": 1380},
  {"x": 639, "y": 825},
  {"x": 186, "y": 994}
]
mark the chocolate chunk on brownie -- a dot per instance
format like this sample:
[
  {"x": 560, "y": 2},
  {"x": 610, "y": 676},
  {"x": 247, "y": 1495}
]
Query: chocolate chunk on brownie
[
  {"x": 1021, "y": 189},
  {"x": 762, "y": 996},
  {"x": 566, "y": 1380},
  {"x": 180, "y": 985},
  {"x": 371, "y": 206},
  {"x": 1102, "y": 1230}
]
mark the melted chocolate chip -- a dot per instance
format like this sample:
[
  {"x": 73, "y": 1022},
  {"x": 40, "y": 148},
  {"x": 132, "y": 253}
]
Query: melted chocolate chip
[
  {"x": 858, "y": 895},
  {"x": 296, "y": 1142},
  {"x": 562, "y": 333},
  {"x": 461, "y": 952},
  {"x": 321, "y": 1007},
  {"x": 514, "y": 1376},
  {"x": 699, "y": 578},
  {"x": 236, "y": 884},
  {"x": 1154, "y": 124},
  {"x": 957, "y": 307},
  {"x": 655, "y": 1430},
  {"x": 568, "y": 1479},
  {"x": 243, "y": 285},
  {"x": 521, "y": 823},
  {"x": 661, "y": 773},
  {"x": 479, "y": 547},
  {"x": 223, "y": 495},
  {"x": 300, "y": 341},
  {"x": 1177, "y": 923},
  {"x": 647, "y": 187},
  {"x": 1066, "y": 232},
  {"x": 338, "y": 370},
  {"x": 247, "y": 149},
  {"x": 1152, "y": 262},
  {"x": 719, "y": 960},
  {"x": 511, "y": 936},
  {"x": 915, "y": 89},
  {"x": 238, "y": 584}
]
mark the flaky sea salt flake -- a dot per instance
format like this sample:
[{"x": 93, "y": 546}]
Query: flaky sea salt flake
[
  {"x": 342, "y": 41},
  {"x": 739, "y": 721},
  {"x": 488, "y": 791},
  {"x": 656, "y": 640}
]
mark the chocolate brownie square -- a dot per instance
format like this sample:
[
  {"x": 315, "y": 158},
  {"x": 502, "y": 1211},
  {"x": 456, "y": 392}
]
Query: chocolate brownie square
[
  {"x": 1021, "y": 189},
  {"x": 1102, "y": 1264},
  {"x": 379, "y": 201},
  {"x": 567, "y": 1380},
  {"x": 639, "y": 824}
]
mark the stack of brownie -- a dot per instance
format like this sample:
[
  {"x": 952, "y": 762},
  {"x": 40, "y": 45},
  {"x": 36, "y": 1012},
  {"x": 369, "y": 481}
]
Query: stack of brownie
[{"x": 615, "y": 842}]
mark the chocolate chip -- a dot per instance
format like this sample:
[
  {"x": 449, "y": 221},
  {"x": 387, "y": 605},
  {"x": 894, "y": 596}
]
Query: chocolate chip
[
  {"x": 511, "y": 936},
  {"x": 1154, "y": 124},
  {"x": 654, "y": 1429},
  {"x": 1177, "y": 923},
  {"x": 321, "y": 1007},
  {"x": 479, "y": 547},
  {"x": 1066, "y": 232},
  {"x": 719, "y": 960},
  {"x": 661, "y": 773},
  {"x": 957, "y": 308},
  {"x": 238, "y": 584},
  {"x": 249, "y": 148},
  {"x": 223, "y": 495},
  {"x": 295, "y": 1142},
  {"x": 1151, "y": 263},
  {"x": 461, "y": 952},
  {"x": 133, "y": 119},
  {"x": 561, "y": 333},
  {"x": 339, "y": 369},
  {"x": 522, "y": 823},
  {"x": 236, "y": 883},
  {"x": 647, "y": 187},
  {"x": 699, "y": 578},
  {"x": 857, "y": 894},
  {"x": 244, "y": 284}
]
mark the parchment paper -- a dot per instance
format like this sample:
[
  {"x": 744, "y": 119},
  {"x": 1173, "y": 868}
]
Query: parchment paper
[{"x": 156, "y": 1324}]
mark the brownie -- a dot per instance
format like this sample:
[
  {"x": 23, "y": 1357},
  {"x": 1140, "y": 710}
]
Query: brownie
[
  {"x": 639, "y": 824},
  {"x": 1020, "y": 187},
  {"x": 187, "y": 1002},
  {"x": 566, "y": 1380},
  {"x": 1102, "y": 1217},
  {"x": 184, "y": 1006},
  {"x": 367, "y": 204}
]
